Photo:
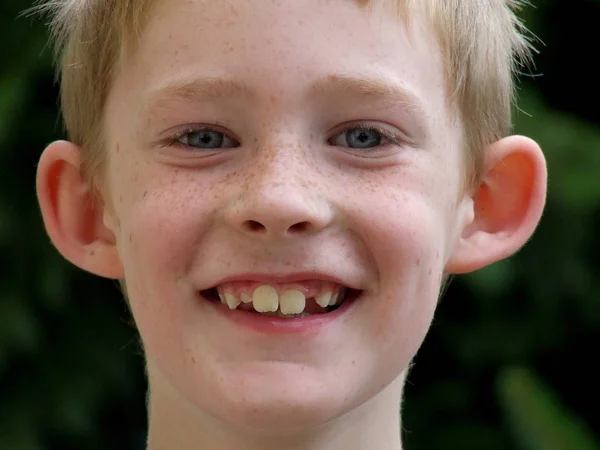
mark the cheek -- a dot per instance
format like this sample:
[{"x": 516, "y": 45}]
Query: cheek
[
  {"x": 162, "y": 220},
  {"x": 406, "y": 234},
  {"x": 158, "y": 250},
  {"x": 157, "y": 234},
  {"x": 409, "y": 252},
  {"x": 162, "y": 214}
]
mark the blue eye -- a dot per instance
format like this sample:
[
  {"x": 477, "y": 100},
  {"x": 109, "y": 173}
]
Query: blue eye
[
  {"x": 206, "y": 139},
  {"x": 361, "y": 138}
]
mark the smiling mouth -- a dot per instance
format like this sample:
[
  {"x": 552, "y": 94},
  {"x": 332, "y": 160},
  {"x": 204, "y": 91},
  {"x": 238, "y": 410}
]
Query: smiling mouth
[{"x": 289, "y": 301}]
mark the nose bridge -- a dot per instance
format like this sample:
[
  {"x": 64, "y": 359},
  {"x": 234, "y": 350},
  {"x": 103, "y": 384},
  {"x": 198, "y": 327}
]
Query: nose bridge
[
  {"x": 280, "y": 194},
  {"x": 279, "y": 167}
]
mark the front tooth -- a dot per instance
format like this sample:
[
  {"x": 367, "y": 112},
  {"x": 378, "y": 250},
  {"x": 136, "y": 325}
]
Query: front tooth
[
  {"x": 292, "y": 302},
  {"x": 323, "y": 299},
  {"x": 265, "y": 299},
  {"x": 245, "y": 298},
  {"x": 222, "y": 297},
  {"x": 232, "y": 302}
]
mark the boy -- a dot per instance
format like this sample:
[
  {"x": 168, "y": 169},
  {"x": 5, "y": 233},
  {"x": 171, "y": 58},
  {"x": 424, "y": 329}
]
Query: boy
[{"x": 284, "y": 186}]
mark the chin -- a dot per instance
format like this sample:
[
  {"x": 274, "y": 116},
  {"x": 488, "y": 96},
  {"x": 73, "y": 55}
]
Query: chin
[{"x": 283, "y": 408}]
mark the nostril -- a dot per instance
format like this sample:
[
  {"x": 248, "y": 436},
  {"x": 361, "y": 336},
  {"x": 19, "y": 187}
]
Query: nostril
[
  {"x": 299, "y": 227},
  {"x": 253, "y": 225}
]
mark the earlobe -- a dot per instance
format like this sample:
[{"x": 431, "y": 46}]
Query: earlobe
[
  {"x": 74, "y": 219},
  {"x": 507, "y": 205}
]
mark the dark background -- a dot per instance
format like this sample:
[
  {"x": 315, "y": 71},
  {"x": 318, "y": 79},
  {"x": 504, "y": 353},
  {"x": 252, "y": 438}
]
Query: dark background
[{"x": 510, "y": 362}]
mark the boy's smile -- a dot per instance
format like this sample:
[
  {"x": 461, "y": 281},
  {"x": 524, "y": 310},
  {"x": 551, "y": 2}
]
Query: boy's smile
[
  {"x": 281, "y": 297},
  {"x": 282, "y": 138}
]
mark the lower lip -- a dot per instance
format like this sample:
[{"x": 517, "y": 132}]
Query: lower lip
[{"x": 260, "y": 323}]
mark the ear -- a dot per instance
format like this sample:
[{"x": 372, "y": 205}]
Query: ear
[
  {"x": 74, "y": 219},
  {"x": 506, "y": 206}
]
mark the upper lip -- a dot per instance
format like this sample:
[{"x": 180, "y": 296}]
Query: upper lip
[{"x": 270, "y": 278}]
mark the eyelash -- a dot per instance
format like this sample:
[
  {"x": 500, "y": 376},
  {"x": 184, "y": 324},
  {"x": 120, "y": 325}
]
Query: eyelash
[
  {"x": 174, "y": 140},
  {"x": 385, "y": 134}
]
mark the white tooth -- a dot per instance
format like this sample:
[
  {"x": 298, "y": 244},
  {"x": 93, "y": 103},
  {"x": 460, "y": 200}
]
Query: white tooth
[
  {"x": 323, "y": 299},
  {"x": 222, "y": 297},
  {"x": 245, "y": 298},
  {"x": 232, "y": 301},
  {"x": 334, "y": 298},
  {"x": 265, "y": 299},
  {"x": 339, "y": 297},
  {"x": 292, "y": 302}
]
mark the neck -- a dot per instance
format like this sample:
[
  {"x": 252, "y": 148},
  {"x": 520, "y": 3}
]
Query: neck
[{"x": 175, "y": 424}]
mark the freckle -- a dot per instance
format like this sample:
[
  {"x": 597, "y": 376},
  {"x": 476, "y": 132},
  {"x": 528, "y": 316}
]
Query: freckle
[
  {"x": 130, "y": 237},
  {"x": 418, "y": 262},
  {"x": 121, "y": 198},
  {"x": 430, "y": 270},
  {"x": 145, "y": 194}
]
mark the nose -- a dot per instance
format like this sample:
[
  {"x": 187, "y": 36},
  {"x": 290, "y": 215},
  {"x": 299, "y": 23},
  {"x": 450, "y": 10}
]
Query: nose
[{"x": 280, "y": 200}]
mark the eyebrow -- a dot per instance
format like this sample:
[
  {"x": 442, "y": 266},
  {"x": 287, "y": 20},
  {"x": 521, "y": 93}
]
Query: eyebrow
[
  {"x": 209, "y": 89},
  {"x": 377, "y": 88},
  {"x": 205, "y": 89}
]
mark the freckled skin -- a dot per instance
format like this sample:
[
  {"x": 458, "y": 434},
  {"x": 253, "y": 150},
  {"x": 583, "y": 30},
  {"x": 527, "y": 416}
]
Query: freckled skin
[{"x": 185, "y": 220}]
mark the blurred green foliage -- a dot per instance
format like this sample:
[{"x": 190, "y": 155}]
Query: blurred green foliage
[
  {"x": 71, "y": 373},
  {"x": 536, "y": 416}
]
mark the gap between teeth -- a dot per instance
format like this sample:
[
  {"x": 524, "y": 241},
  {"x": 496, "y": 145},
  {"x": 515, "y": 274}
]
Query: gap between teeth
[{"x": 266, "y": 300}]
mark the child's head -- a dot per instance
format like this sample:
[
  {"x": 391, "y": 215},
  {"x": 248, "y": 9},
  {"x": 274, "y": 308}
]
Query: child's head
[{"x": 317, "y": 147}]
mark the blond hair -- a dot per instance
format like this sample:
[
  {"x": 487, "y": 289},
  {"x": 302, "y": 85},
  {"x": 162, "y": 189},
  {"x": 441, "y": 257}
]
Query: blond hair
[{"x": 482, "y": 41}]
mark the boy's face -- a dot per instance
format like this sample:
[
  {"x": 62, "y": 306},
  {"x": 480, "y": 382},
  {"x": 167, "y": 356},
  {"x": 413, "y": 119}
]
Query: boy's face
[{"x": 306, "y": 89}]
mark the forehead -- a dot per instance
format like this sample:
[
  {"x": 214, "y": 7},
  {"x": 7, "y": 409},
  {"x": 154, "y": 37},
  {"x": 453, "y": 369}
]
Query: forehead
[{"x": 282, "y": 49}]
